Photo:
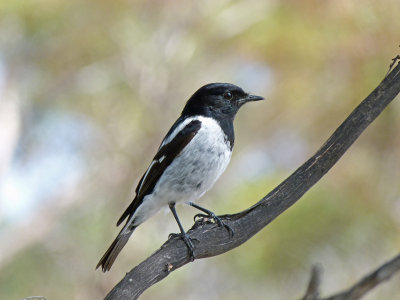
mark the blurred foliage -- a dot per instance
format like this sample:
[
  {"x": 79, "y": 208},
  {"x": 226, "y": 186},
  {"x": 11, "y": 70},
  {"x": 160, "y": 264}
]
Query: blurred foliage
[{"x": 89, "y": 88}]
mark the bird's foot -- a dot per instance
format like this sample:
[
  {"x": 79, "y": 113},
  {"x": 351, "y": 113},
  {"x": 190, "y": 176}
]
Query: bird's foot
[
  {"x": 216, "y": 220},
  {"x": 188, "y": 241}
]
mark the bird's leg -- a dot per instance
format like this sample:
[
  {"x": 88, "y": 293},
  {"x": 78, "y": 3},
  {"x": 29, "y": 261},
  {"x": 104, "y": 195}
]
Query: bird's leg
[
  {"x": 211, "y": 215},
  {"x": 183, "y": 235}
]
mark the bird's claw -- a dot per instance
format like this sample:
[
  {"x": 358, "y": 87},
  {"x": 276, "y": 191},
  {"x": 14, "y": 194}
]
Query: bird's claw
[
  {"x": 188, "y": 241},
  {"x": 216, "y": 220}
]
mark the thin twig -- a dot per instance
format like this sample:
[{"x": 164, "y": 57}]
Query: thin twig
[
  {"x": 369, "y": 282},
  {"x": 394, "y": 60},
  {"x": 312, "y": 291}
]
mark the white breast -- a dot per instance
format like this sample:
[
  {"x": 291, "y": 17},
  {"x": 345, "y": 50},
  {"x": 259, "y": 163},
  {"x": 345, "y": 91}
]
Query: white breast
[{"x": 193, "y": 172}]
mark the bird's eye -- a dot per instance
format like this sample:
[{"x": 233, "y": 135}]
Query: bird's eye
[{"x": 228, "y": 95}]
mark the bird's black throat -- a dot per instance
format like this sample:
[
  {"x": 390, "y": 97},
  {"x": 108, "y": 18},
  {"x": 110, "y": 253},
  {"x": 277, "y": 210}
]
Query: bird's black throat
[{"x": 227, "y": 128}]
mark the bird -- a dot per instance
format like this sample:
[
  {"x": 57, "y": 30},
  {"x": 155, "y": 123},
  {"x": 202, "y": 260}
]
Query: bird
[{"x": 192, "y": 156}]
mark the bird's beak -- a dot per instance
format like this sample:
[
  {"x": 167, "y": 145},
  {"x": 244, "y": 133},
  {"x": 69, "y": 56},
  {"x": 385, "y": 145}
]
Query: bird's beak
[
  {"x": 254, "y": 98},
  {"x": 250, "y": 98}
]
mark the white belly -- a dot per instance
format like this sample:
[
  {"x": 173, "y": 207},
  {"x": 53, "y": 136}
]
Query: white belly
[{"x": 192, "y": 173}]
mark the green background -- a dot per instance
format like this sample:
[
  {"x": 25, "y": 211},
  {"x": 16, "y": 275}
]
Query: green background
[{"x": 89, "y": 88}]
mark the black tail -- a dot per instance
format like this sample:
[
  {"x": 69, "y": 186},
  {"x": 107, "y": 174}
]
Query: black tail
[
  {"x": 111, "y": 254},
  {"x": 128, "y": 212}
]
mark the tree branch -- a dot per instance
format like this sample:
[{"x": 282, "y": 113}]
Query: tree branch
[
  {"x": 369, "y": 282},
  {"x": 212, "y": 240},
  {"x": 366, "y": 284},
  {"x": 312, "y": 291}
]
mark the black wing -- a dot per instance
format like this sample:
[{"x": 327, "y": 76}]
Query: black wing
[{"x": 161, "y": 161}]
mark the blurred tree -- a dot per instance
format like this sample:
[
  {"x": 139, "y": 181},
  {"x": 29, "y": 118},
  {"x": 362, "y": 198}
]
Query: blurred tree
[{"x": 88, "y": 89}]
